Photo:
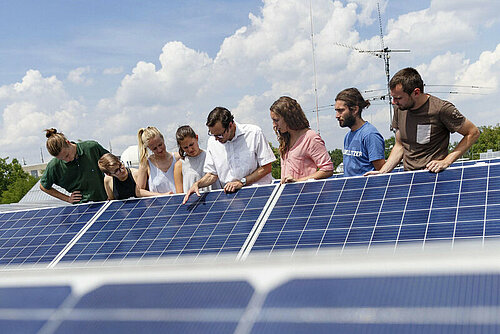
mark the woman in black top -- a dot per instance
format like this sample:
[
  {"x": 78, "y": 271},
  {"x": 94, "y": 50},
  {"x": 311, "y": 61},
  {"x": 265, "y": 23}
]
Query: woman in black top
[{"x": 119, "y": 181}]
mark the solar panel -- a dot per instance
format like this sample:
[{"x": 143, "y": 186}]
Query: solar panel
[
  {"x": 417, "y": 207},
  {"x": 177, "y": 307},
  {"x": 419, "y": 304},
  {"x": 37, "y": 236},
  {"x": 22, "y": 301},
  {"x": 158, "y": 227}
]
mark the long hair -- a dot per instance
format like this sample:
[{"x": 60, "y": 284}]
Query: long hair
[
  {"x": 352, "y": 98},
  {"x": 143, "y": 137},
  {"x": 108, "y": 162},
  {"x": 56, "y": 141},
  {"x": 294, "y": 118},
  {"x": 182, "y": 133}
]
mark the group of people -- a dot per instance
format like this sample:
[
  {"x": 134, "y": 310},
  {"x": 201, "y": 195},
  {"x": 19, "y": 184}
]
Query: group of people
[{"x": 239, "y": 155}]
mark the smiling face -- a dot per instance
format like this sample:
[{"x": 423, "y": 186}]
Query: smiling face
[
  {"x": 157, "y": 146},
  {"x": 343, "y": 114},
  {"x": 190, "y": 146},
  {"x": 279, "y": 123}
]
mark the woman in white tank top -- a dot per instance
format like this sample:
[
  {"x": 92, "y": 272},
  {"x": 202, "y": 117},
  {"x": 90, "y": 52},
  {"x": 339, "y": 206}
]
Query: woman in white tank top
[
  {"x": 156, "y": 171},
  {"x": 189, "y": 168}
]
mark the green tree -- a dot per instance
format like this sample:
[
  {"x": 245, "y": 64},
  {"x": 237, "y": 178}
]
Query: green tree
[
  {"x": 488, "y": 140},
  {"x": 9, "y": 173},
  {"x": 389, "y": 144},
  {"x": 16, "y": 190},
  {"x": 337, "y": 157},
  {"x": 276, "y": 165}
]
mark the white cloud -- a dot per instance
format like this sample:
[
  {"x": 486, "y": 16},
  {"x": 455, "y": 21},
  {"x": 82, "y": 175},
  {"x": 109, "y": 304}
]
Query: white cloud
[
  {"x": 77, "y": 76},
  {"x": 269, "y": 57},
  {"x": 29, "y": 106},
  {"x": 113, "y": 71}
]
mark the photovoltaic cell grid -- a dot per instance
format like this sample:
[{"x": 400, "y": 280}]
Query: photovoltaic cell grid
[
  {"x": 416, "y": 207},
  {"x": 445, "y": 303},
  {"x": 215, "y": 223},
  {"x": 420, "y": 304},
  {"x": 37, "y": 236}
]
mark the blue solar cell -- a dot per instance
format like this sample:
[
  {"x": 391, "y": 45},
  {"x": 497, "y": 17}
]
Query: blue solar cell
[
  {"x": 494, "y": 197},
  {"x": 369, "y": 206},
  {"x": 390, "y": 218},
  {"x": 473, "y": 185},
  {"x": 471, "y": 213},
  {"x": 365, "y": 220},
  {"x": 412, "y": 232},
  {"x": 385, "y": 233},
  {"x": 335, "y": 236},
  {"x": 469, "y": 229},
  {"x": 493, "y": 212},
  {"x": 360, "y": 235}
]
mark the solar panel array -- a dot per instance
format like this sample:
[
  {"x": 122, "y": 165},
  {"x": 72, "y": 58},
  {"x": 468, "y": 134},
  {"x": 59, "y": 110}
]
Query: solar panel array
[
  {"x": 37, "y": 236},
  {"x": 395, "y": 208},
  {"x": 438, "y": 303},
  {"x": 151, "y": 228}
]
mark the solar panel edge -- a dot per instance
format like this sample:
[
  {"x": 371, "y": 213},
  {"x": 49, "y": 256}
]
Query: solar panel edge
[
  {"x": 261, "y": 221},
  {"x": 73, "y": 241}
]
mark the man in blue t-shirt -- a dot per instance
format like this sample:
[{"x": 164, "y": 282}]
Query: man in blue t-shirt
[{"x": 363, "y": 145}]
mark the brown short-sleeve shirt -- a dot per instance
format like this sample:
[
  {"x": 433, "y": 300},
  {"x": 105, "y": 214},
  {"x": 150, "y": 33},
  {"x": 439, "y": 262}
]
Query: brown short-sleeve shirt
[{"x": 425, "y": 132}]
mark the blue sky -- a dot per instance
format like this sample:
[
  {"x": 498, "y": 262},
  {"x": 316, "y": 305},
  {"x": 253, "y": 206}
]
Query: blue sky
[{"x": 102, "y": 69}]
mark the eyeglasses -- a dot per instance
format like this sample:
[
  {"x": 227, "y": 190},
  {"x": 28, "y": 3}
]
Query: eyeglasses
[{"x": 217, "y": 136}]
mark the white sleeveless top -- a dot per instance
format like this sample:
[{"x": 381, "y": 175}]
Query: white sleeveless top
[
  {"x": 192, "y": 171},
  {"x": 159, "y": 181}
]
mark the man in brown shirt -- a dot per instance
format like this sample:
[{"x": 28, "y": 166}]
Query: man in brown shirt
[{"x": 423, "y": 124}]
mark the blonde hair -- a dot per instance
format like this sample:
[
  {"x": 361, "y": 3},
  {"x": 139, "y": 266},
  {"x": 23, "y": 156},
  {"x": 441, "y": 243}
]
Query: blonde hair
[
  {"x": 108, "y": 162},
  {"x": 56, "y": 141},
  {"x": 144, "y": 135}
]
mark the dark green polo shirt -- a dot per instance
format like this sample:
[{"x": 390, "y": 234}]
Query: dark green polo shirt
[{"x": 81, "y": 174}]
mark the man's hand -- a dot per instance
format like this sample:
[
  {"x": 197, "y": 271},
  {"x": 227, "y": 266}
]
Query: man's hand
[
  {"x": 288, "y": 179},
  {"x": 232, "y": 186},
  {"x": 372, "y": 172},
  {"x": 436, "y": 166},
  {"x": 75, "y": 197},
  {"x": 194, "y": 189}
]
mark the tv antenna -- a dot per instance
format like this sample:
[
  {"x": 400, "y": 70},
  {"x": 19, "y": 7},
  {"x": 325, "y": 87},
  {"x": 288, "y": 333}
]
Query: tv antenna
[{"x": 383, "y": 53}]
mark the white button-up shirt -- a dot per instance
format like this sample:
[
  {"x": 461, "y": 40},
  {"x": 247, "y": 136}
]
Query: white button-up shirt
[{"x": 240, "y": 156}]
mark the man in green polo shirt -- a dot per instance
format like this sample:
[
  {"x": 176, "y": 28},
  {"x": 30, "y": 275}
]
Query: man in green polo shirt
[{"x": 74, "y": 168}]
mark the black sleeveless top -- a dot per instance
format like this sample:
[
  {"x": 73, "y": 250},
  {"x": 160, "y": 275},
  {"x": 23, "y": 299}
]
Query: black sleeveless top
[{"x": 124, "y": 189}]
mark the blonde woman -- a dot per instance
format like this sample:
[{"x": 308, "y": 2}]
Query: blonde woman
[
  {"x": 156, "y": 171},
  {"x": 73, "y": 168}
]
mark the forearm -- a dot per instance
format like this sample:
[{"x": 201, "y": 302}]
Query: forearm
[
  {"x": 207, "y": 180},
  {"x": 56, "y": 193},
  {"x": 259, "y": 173},
  {"x": 318, "y": 175},
  {"x": 461, "y": 148},
  {"x": 393, "y": 160}
]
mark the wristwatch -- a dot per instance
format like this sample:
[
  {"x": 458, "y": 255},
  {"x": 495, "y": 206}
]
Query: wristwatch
[{"x": 244, "y": 181}]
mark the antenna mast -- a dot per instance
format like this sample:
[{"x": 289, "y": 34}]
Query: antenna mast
[
  {"x": 383, "y": 53},
  {"x": 314, "y": 65}
]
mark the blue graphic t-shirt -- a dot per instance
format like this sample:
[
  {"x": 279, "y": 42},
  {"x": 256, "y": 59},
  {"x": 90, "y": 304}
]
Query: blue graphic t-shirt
[{"x": 361, "y": 147}]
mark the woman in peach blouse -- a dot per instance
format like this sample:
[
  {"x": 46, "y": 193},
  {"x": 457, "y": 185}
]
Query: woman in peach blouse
[{"x": 303, "y": 152}]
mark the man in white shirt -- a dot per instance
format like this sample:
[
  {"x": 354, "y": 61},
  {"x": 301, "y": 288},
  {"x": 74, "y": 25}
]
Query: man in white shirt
[{"x": 237, "y": 154}]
